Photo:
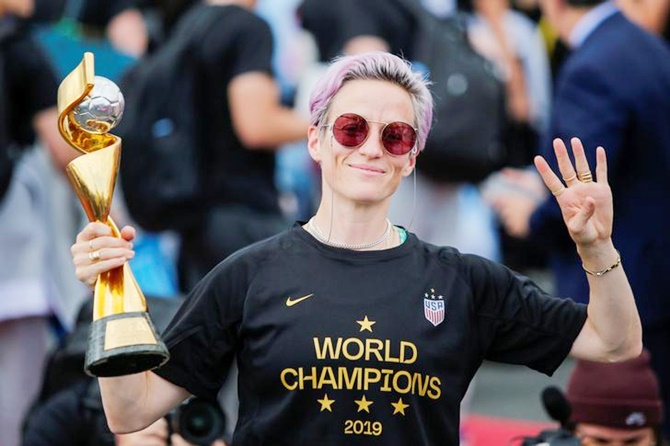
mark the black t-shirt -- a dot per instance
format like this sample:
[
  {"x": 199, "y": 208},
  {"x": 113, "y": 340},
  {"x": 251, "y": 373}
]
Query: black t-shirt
[
  {"x": 240, "y": 43},
  {"x": 340, "y": 347}
]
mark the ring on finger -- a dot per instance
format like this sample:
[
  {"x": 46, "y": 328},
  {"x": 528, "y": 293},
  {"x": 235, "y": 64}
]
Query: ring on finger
[
  {"x": 572, "y": 178},
  {"x": 558, "y": 192},
  {"x": 94, "y": 255},
  {"x": 585, "y": 177}
]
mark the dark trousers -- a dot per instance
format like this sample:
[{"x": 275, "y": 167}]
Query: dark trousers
[{"x": 226, "y": 230}]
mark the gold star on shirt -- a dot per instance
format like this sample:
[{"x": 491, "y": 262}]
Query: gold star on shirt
[
  {"x": 366, "y": 324},
  {"x": 326, "y": 403},
  {"x": 363, "y": 404},
  {"x": 399, "y": 407}
]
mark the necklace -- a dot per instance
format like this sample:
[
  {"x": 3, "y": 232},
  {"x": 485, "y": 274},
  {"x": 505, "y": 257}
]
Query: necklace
[{"x": 317, "y": 233}]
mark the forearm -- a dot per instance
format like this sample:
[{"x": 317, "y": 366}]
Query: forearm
[
  {"x": 259, "y": 119},
  {"x": 124, "y": 399},
  {"x": 133, "y": 402},
  {"x": 612, "y": 312},
  {"x": 282, "y": 126}
]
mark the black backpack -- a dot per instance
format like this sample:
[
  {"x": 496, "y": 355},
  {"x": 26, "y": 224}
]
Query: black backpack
[
  {"x": 161, "y": 161},
  {"x": 465, "y": 143}
]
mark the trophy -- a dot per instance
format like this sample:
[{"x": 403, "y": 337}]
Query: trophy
[{"x": 122, "y": 339}]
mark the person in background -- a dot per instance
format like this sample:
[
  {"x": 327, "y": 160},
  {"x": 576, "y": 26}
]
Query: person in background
[
  {"x": 616, "y": 404},
  {"x": 514, "y": 44},
  {"x": 133, "y": 27},
  {"x": 612, "y": 90},
  {"x": 252, "y": 126},
  {"x": 651, "y": 15},
  {"x": 246, "y": 124},
  {"x": 69, "y": 408},
  {"x": 294, "y": 53},
  {"x": 74, "y": 417},
  {"x": 512, "y": 41},
  {"x": 122, "y": 22},
  {"x": 33, "y": 278},
  {"x": 348, "y": 329}
]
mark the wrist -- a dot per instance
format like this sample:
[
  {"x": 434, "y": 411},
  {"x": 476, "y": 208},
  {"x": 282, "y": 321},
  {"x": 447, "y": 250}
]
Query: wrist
[{"x": 599, "y": 257}]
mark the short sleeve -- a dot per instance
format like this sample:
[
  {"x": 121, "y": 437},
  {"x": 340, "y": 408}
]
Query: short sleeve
[
  {"x": 243, "y": 43},
  {"x": 518, "y": 322},
  {"x": 202, "y": 336}
]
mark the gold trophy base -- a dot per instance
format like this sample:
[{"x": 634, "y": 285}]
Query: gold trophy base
[{"x": 122, "y": 344}]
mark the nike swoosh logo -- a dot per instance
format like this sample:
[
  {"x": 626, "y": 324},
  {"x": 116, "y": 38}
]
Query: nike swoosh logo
[{"x": 290, "y": 302}]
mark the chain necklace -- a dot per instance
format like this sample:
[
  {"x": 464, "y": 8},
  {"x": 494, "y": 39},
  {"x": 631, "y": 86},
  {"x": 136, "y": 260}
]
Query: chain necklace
[{"x": 317, "y": 233}]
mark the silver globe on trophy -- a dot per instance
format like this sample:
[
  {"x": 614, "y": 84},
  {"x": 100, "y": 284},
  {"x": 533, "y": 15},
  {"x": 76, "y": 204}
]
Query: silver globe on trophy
[{"x": 122, "y": 339}]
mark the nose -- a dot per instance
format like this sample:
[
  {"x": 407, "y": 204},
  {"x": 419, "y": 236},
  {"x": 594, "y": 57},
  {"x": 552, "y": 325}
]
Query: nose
[{"x": 372, "y": 147}]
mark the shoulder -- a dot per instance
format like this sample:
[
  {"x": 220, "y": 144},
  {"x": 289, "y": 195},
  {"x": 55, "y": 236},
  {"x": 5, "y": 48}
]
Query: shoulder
[
  {"x": 619, "y": 43},
  {"x": 222, "y": 293},
  {"x": 616, "y": 63},
  {"x": 470, "y": 268},
  {"x": 252, "y": 258},
  {"x": 236, "y": 20},
  {"x": 238, "y": 41}
]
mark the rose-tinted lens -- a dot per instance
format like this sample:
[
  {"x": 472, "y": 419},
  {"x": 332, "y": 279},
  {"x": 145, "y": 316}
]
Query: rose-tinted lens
[
  {"x": 398, "y": 138},
  {"x": 350, "y": 130}
]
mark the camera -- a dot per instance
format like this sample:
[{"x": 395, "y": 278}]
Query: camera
[
  {"x": 558, "y": 408},
  {"x": 199, "y": 421},
  {"x": 557, "y": 437}
]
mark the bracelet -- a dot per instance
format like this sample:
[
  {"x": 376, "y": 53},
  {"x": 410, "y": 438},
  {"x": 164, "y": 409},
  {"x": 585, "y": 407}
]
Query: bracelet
[{"x": 606, "y": 270}]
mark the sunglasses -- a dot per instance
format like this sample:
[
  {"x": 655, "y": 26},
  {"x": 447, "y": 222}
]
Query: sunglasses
[{"x": 352, "y": 130}]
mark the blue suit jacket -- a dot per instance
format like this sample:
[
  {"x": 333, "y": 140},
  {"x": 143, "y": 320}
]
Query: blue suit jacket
[{"x": 614, "y": 91}]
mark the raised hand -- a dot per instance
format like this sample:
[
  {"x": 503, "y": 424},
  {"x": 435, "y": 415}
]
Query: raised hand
[{"x": 585, "y": 201}]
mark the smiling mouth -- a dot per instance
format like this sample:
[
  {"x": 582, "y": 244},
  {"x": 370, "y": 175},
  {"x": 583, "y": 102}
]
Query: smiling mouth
[{"x": 367, "y": 169}]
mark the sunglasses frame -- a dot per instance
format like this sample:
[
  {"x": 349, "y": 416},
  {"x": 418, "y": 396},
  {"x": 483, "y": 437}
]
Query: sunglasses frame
[{"x": 381, "y": 133}]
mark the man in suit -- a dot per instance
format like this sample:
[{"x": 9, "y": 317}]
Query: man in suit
[{"x": 612, "y": 91}]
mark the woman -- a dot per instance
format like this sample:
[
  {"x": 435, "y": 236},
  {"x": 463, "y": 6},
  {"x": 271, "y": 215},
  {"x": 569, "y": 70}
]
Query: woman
[{"x": 349, "y": 330}]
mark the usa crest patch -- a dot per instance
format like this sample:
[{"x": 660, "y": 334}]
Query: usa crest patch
[{"x": 434, "y": 308}]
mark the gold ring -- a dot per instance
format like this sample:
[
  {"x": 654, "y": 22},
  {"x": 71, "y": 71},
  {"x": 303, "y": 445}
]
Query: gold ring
[
  {"x": 585, "y": 177},
  {"x": 94, "y": 255},
  {"x": 567, "y": 180},
  {"x": 559, "y": 192}
]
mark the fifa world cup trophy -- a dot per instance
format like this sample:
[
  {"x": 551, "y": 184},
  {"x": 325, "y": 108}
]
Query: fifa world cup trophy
[{"x": 122, "y": 339}]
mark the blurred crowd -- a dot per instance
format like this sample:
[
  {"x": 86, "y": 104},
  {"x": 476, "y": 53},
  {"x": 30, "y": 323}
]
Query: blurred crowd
[{"x": 558, "y": 82}]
